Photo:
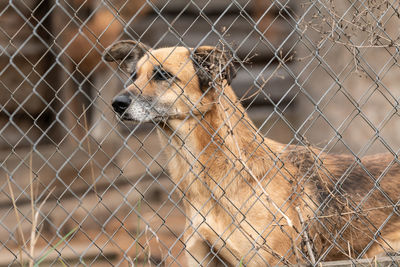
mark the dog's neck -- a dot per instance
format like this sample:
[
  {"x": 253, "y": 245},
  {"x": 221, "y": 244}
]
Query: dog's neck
[{"x": 225, "y": 131}]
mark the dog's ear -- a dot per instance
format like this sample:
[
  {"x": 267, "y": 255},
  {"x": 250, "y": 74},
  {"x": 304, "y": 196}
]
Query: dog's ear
[
  {"x": 126, "y": 53},
  {"x": 213, "y": 65}
]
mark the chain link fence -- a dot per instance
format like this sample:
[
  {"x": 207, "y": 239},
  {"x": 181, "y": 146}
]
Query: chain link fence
[{"x": 80, "y": 187}]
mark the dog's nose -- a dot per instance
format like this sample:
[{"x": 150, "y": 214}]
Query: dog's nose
[{"x": 120, "y": 103}]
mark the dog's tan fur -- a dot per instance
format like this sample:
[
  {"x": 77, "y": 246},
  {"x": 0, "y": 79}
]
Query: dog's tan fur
[{"x": 218, "y": 160}]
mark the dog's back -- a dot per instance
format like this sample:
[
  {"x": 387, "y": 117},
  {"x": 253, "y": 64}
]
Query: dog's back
[{"x": 350, "y": 202}]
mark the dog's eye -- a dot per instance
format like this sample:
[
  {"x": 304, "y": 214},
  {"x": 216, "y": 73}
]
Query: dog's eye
[
  {"x": 162, "y": 75},
  {"x": 134, "y": 76}
]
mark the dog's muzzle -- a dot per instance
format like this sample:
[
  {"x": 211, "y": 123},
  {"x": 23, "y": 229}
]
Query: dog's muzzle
[{"x": 137, "y": 108}]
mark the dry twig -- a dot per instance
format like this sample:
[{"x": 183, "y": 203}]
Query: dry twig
[
  {"x": 90, "y": 154},
  {"x": 305, "y": 237}
]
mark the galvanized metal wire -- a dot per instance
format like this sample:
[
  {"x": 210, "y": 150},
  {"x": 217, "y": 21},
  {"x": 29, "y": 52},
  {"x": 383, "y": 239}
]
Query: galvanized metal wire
[{"x": 80, "y": 187}]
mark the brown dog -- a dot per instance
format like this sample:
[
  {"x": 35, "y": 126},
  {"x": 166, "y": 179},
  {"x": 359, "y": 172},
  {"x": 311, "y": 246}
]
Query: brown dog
[{"x": 243, "y": 192}]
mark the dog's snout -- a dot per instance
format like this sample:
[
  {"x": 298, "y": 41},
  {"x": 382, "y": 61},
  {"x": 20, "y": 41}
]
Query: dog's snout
[{"x": 121, "y": 103}]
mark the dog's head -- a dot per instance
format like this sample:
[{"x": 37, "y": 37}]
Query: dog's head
[{"x": 169, "y": 83}]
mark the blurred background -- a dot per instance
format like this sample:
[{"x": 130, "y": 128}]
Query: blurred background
[{"x": 77, "y": 187}]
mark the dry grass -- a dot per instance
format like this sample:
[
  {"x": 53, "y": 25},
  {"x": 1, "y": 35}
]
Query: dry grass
[
  {"x": 89, "y": 148},
  {"x": 27, "y": 249}
]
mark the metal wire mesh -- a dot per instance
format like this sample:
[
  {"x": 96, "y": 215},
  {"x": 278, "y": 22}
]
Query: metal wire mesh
[{"x": 81, "y": 187}]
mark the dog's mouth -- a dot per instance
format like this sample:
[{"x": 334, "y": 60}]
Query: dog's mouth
[
  {"x": 126, "y": 117},
  {"x": 143, "y": 119}
]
